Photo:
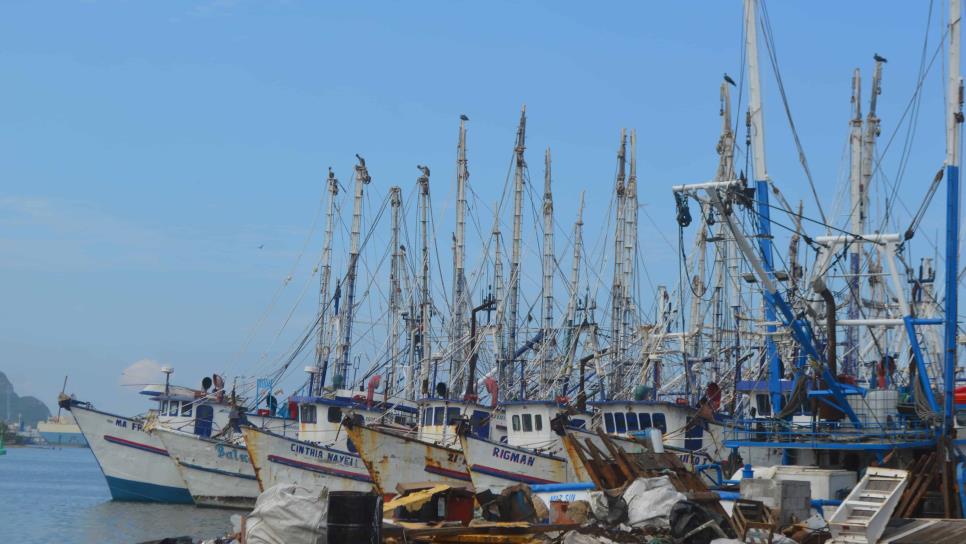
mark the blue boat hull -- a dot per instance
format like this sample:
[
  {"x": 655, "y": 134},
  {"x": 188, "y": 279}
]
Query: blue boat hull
[{"x": 129, "y": 490}]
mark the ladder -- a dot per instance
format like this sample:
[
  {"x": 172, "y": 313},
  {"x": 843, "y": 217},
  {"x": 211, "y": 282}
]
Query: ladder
[{"x": 863, "y": 515}]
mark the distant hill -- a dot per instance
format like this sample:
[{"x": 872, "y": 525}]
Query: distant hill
[{"x": 12, "y": 406}]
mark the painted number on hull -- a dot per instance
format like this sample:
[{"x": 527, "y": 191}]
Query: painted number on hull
[{"x": 454, "y": 457}]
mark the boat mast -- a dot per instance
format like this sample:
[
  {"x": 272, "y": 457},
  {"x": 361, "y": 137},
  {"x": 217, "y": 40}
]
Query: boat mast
[
  {"x": 548, "y": 264},
  {"x": 954, "y": 117},
  {"x": 361, "y": 179},
  {"x": 572, "y": 326},
  {"x": 425, "y": 307},
  {"x": 617, "y": 288},
  {"x": 458, "y": 313},
  {"x": 395, "y": 204},
  {"x": 630, "y": 245},
  {"x": 322, "y": 349},
  {"x": 518, "y": 181},
  {"x": 498, "y": 332},
  {"x": 756, "y": 132},
  {"x": 726, "y": 147},
  {"x": 857, "y": 221}
]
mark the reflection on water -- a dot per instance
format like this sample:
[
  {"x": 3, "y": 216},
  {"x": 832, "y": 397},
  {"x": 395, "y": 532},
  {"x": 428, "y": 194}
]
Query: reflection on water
[{"x": 59, "y": 495}]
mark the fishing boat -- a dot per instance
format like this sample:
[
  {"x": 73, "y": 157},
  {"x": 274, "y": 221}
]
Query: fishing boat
[
  {"x": 432, "y": 453},
  {"x": 134, "y": 461}
]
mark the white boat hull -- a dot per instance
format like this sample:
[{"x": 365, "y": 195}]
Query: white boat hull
[
  {"x": 393, "y": 459},
  {"x": 217, "y": 473},
  {"x": 135, "y": 464},
  {"x": 494, "y": 466},
  {"x": 281, "y": 460}
]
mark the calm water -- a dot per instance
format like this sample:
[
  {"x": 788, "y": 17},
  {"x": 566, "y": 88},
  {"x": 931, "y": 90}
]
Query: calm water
[{"x": 59, "y": 495}]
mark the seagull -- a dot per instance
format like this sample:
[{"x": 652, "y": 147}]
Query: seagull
[
  {"x": 729, "y": 80},
  {"x": 260, "y": 246},
  {"x": 463, "y": 117},
  {"x": 423, "y": 169},
  {"x": 879, "y": 58}
]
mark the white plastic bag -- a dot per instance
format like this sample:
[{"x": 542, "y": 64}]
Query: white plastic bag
[
  {"x": 288, "y": 514},
  {"x": 649, "y": 501}
]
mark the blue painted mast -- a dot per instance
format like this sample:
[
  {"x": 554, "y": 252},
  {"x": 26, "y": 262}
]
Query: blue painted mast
[
  {"x": 954, "y": 117},
  {"x": 756, "y": 133}
]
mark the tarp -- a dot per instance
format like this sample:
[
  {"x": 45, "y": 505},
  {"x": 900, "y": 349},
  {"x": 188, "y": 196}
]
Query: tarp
[
  {"x": 649, "y": 501},
  {"x": 288, "y": 514}
]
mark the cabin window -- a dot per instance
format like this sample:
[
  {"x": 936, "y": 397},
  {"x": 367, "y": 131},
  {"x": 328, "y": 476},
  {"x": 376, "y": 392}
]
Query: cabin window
[
  {"x": 645, "y": 420},
  {"x": 619, "y": 423},
  {"x": 609, "y": 422},
  {"x": 538, "y": 422},
  {"x": 763, "y": 404},
  {"x": 427, "y": 416},
  {"x": 438, "y": 414},
  {"x": 516, "y": 423},
  {"x": 335, "y": 414},
  {"x": 186, "y": 409},
  {"x": 578, "y": 423},
  {"x": 163, "y": 407},
  {"x": 660, "y": 422},
  {"x": 527, "y": 423},
  {"x": 173, "y": 408},
  {"x": 692, "y": 436},
  {"x": 452, "y": 414},
  {"x": 961, "y": 419},
  {"x": 632, "y": 421},
  {"x": 307, "y": 413}
]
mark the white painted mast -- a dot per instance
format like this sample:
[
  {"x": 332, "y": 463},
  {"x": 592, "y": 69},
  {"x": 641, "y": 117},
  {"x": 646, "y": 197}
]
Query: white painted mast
[
  {"x": 395, "y": 294},
  {"x": 361, "y": 179},
  {"x": 458, "y": 358},
  {"x": 857, "y": 201},
  {"x": 518, "y": 181},
  {"x": 756, "y": 127},
  {"x": 425, "y": 304},
  {"x": 322, "y": 349},
  {"x": 548, "y": 264}
]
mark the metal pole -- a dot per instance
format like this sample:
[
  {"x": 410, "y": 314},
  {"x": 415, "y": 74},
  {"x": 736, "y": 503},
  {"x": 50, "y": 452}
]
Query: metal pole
[
  {"x": 954, "y": 117},
  {"x": 760, "y": 174}
]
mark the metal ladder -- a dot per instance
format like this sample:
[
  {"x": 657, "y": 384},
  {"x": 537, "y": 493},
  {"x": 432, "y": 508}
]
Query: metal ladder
[{"x": 863, "y": 515}]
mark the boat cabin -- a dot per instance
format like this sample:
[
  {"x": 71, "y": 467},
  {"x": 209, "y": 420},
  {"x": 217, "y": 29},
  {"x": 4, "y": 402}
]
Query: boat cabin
[
  {"x": 529, "y": 423},
  {"x": 438, "y": 419},
  {"x": 182, "y": 408},
  {"x": 627, "y": 417},
  {"x": 320, "y": 418}
]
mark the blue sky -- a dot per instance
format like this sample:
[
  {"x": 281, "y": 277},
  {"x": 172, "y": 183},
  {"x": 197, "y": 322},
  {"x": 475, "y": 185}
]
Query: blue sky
[{"x": 147, "y": 150}]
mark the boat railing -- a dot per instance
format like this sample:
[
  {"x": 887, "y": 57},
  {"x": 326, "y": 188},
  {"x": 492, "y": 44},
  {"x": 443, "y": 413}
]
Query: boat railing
[{"x": 896, "y": 429}]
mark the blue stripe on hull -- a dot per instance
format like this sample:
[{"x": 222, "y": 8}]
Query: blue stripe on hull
[{"x": 130, "y": 490}]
